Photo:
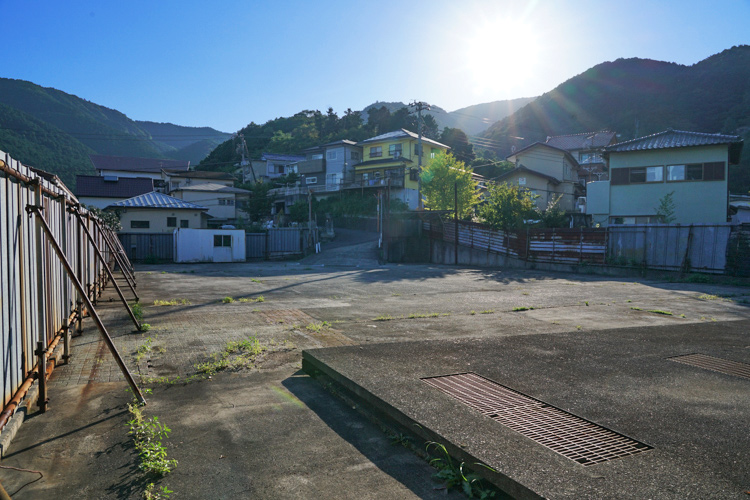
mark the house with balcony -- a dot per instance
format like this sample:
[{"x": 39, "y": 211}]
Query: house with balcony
[
  {"x": 588, "y": 150},
  {"x": 271, "y": 166},
  {"x": 391, "y": 160},
  {"x": 691, "y": 166},
  {"x": 224, "y": 203},
  {"x": 548, "y": 172}
]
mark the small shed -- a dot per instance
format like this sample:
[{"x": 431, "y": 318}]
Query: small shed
[{"x": 209, "y": 245}]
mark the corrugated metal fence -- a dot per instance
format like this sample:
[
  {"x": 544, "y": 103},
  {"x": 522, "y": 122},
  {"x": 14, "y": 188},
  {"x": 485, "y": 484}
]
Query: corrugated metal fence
[
  {"x": 276, "y": 243},
  {"x": 37, "y": 299},
  {"x": 655, "y": 246},
  {"x": 148, "y": 247}
]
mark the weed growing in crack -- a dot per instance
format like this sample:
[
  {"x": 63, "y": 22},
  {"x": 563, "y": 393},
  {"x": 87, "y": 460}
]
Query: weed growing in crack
[
  {"x": 235, "y": 356},
  {"x": 227, "y": 300},
  {"x": 148, "y": 434},
  {"x": 173, "y": 302},
  {"x": 659, "y": 311},
  {"x": 523, "y": 309},
  {"x": 147, "y": 347},
  {"x": 452, "y": 473},
  {"x": 487, "y": 311},
  {"x": 137, "y": 309},
  {"x": 152, "y": 493},
  {"x": 259, "y": 298},
  {"x": 318, "y": 327}
]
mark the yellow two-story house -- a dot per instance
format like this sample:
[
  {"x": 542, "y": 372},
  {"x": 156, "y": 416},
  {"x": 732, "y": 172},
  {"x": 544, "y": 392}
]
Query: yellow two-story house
[{"x": 392, "y": 160}]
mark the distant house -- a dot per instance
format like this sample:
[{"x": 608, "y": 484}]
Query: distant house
[
  {"x": 102, "y": 191},
  {"x": 224, "y": 203},
  {"x": 691, "y": 165},
  {"x": 158, "y": 213},
  {"x": 587, "y": 148},
  {"x": 176, "y": 178},
  {"x": 122, "y": 166},
  {"x": 271, "y": 166},
  {"x": 548, "y": 172},
  {"x": 391, "y": 159}
]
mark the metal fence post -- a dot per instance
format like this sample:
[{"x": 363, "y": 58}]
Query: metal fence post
[{"x": 41, "y": 353}]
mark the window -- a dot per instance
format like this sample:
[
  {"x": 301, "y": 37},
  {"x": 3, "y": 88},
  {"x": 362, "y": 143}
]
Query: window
[
  {"x": 646, "y": 174},
  {"x": 311, "y": 180},
  {"x": 171, "y": 221},
  {"x": 139, "y": 224},
  {"x": 416, "y": 150},
  {"x": 355, "y": 155},
  {"x": 394, "y": 150},
  {"x": 317, "y": 156},
  {"x": 184, "y": 223},
  {"x": 640, "y": 219},
  {"x": 434, "y": 152},
  {"x": 413, "y": 174},
  {"x": 330, "y": 155},
  {"x": 522, "y": 181},
  {"x": 222, "y": 240},
  {"x": 713, "y": 171},
  {"x": 376, "y": 151},
  {"x": 226, "y": 202}
]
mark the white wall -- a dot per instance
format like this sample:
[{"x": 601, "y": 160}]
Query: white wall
[
  {"x": 197, "y": 245},
  {"x": 157, "y": 218}
]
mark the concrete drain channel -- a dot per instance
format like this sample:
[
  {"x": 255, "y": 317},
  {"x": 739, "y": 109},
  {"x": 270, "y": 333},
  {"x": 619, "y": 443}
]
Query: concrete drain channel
[
  {"x": 572, "y": 437},
  {"x": 720, "y": 365}
]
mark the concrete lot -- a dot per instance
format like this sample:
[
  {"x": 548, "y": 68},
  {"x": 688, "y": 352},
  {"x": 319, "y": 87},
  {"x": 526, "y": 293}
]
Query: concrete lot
[{"x": 270, "y": 431}]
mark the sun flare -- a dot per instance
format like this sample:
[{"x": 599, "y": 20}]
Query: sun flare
[{"x": 502, "y": 54}]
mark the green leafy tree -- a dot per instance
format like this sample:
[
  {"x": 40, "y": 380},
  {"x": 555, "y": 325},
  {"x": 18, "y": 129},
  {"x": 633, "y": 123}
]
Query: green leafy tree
[
  {"x": 259, "y": 204},
  {"x": 110, "y": 218},
  {"x": 459, "y": 144},
  {"x": 440, "y": 176},
  {"x": 666, "y": 208},
  {"x": 553, "y": 215},
  {"x": 506, "y": 206}
]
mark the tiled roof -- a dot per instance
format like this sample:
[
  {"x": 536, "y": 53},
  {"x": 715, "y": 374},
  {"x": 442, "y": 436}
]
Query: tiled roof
[
  {"x": 156, "y": 200},
  {"x": 346, "y": 142},
  {"x": 399, "y": 134},
  {"x": 521, "y": 169},
  {"x": 676, "y": 139},
  {"x": 545, "y": 145},
  {"x": 212, "y": 187},
  {"x": 586, "y": 140},
  {"x": 102, "y": 162},
  {"x": 200, "y": 174},
  {"x": 122, "y": 187},
  {"x": 280, "y": 157}
]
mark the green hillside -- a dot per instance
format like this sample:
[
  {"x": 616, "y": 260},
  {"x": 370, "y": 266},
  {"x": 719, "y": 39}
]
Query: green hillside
[
  {"x": 39, "y": 144},
  {"x": 641, "y": 97},
  {"x": 55, "y": 131}
]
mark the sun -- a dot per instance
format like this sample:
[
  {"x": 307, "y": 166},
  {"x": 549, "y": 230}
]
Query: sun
[{"x": 502, "y": 54}]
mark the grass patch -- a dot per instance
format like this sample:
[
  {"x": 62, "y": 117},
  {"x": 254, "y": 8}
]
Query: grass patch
[
  {"x": 523, "y": 309},
  {"x": 383, "y": 317},
  {"x": 148, "y": 434},
  {"x": 635, "y": 308},
  {"x": 472, "y": 312},
  {"x": 227, "y": 300},
  {"x": 235, "y": 356},
  {"x": 259, "y": 298},
  {"x": 487, "y": 311},
  {"x": 173, "y": 302},
  {"x": 422, "y": 315},
  {"x": 659, "y": 311},
  {"x": 255, "y": 280},
  {"x": 318, "y": 327}
]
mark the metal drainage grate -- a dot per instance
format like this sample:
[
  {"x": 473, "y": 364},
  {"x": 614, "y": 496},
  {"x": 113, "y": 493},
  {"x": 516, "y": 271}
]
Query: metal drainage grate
[
  {"x": 715, "y": 364},
  {"x": 573, "y": 437}
]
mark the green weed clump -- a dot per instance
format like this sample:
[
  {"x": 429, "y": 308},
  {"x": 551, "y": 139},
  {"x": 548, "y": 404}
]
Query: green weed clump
[
  {"x": 137, "y": 309},
  {"x": 236, "y": 355},
  {"x": 148, "y": 434},
  {"x": 173, "y": 302},
  {"x": 521, "y": 308},
  {"x": 227, "y": 300},
  {"x": 318, "y": 327},
  {"x": 453, "y": 476}
]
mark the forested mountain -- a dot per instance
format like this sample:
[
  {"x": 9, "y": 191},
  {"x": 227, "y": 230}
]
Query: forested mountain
[
  {"x": 471, "y": 119},
  {"x": 55, "y": 131},
  {"x": 637, "y": 97}
]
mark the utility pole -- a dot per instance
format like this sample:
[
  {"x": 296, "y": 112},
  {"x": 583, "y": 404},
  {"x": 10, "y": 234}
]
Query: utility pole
[
  {"x": 419, "y": 105},
  {"x": 245, "y": 154}
]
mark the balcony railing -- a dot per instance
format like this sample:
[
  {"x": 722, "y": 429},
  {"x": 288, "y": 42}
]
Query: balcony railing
[{"x": 395, "y": 182}]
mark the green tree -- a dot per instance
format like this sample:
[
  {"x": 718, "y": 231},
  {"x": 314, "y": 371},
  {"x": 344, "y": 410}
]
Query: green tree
[
  {"x": 440, "y": 176},
  {"x": 459, "y": 143},
  {"x": 110, "y": 218},
  {"x": 259, "y": 205},
  {"x": 553, "y": 215},
  {"x": 665, "y": 209},
  {"x": 506, "y": 206}
]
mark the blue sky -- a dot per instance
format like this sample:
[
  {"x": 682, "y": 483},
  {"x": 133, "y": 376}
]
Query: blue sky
[{"x": 226, "y": 63}]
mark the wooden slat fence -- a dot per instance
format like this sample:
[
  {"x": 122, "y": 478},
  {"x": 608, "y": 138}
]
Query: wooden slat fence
[{"x": 37, "y": 299}]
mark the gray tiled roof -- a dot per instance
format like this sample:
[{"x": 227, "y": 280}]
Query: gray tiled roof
[
  {"x": 156, "y": 200},
  {"x": 212, "y": 187},
  {"x": 132, "y": 164},
  {"x": 544, "y": 145},
  {"x": 398, "y": 134},
  {"x": 586, "y": 140},
  {"x": 673, "y": 139},
  {"x": 280, "y": 157},
  {"x": 122, "y": 187}
]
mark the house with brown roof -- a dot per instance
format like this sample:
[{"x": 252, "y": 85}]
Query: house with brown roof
[
  {"x": 587, "y": 148},
  {"x": 689, "y": 167},
  {"x": 101, "y": 191},
  {"x": 548, "y": 172}
]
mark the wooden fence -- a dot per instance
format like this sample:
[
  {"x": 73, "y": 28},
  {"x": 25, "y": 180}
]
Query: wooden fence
[{"x": 38, "y": 302}]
